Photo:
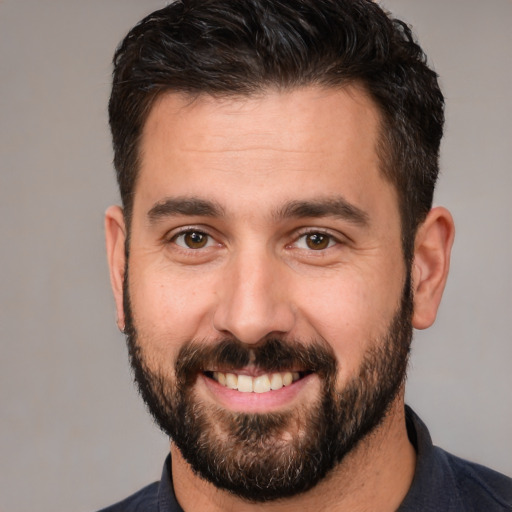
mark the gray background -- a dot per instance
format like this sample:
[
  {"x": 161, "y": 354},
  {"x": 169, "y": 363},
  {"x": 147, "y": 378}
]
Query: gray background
[{"x": 74, "y": 434}]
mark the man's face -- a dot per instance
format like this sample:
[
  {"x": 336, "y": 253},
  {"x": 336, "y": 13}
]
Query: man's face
[{"x": 265, "y": 247}]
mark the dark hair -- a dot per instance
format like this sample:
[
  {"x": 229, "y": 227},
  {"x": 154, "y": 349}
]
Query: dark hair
[{"x": 243, "y": 47}]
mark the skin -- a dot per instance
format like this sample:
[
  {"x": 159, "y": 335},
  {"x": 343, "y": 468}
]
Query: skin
[{"x": 257, "y": 276}]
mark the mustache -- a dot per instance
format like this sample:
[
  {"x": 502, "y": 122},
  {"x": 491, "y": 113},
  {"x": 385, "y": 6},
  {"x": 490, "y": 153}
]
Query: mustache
[{"x": 273, "y": 355}]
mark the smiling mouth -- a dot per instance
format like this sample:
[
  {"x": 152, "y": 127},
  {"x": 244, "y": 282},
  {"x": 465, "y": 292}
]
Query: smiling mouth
[{"x": 260, "y": 384}]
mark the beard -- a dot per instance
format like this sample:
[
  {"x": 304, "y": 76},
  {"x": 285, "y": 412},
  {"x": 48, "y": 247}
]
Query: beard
[{"x": 267, "y": 456}]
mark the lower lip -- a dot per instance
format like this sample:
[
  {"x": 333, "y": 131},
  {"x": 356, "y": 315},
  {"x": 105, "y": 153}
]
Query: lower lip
[{"x": 257, "y": 402}]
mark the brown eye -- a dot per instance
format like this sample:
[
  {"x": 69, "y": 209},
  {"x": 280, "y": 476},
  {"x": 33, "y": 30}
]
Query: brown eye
[
  {"x": 192, "y": 240},
  {"x": 317, "y": 241}
]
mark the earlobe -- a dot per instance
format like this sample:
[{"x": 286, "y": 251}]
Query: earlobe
[
  {"x": 115, "y": 236},
  {"x": 431, "y": 264}
]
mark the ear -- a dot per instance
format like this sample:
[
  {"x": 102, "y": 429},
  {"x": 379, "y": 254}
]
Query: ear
[
  {"x": 431, "y": 263},
  {"x": 115, "y": 235}
]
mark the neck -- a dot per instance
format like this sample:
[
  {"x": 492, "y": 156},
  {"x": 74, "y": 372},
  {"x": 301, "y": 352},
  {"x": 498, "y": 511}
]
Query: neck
[{"x": 375, "y": 475}]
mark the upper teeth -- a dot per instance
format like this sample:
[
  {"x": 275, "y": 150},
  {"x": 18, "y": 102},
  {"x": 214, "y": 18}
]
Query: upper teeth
[{"x": 260, "y": 384}]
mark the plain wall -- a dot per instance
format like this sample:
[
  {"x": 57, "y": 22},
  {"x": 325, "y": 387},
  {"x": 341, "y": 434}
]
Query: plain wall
[{"x": 74, "y": 434}]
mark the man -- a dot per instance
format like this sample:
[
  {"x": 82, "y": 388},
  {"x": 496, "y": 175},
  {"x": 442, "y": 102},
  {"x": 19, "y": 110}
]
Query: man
[{"x": 276, "y": 246}]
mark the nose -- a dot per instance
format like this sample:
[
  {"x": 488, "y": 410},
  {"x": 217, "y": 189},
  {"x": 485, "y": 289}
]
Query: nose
[{"x": 253, "y": 301}]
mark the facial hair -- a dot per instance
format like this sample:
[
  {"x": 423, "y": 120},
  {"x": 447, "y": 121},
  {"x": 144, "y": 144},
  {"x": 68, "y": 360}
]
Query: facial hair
[{"x": 262, "y": 457}]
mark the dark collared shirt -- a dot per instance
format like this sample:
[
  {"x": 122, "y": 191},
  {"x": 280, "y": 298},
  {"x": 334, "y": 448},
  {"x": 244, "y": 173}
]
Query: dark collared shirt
[{"x": 442, "y": 483}]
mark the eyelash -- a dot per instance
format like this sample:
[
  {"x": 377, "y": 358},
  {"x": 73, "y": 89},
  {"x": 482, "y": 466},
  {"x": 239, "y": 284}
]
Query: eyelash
[
  {"x": 191, "y": 231},
  {"x": 331, "y": 240}
]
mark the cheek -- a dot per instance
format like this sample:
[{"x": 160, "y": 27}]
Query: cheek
[
  {"x": 169, "y": 309},
  {"x": 351, "y": 315}
]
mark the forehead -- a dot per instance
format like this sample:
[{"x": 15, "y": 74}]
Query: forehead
[
  {"x": 278, "y": 144},
  {"x": 292, "y": 119}
]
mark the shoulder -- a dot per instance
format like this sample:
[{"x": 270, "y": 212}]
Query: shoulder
[
  {"x": 483, "y": 487},
  {"x": 443, "y": 481},
  {"x": 156, "y": 497},
  {"x": 145, "y": 500}
]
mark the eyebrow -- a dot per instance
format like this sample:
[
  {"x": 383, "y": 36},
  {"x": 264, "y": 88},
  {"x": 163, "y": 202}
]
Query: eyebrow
[
  {"x": 189, "y": 206},
  {"x": 329, "y": 207}
]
